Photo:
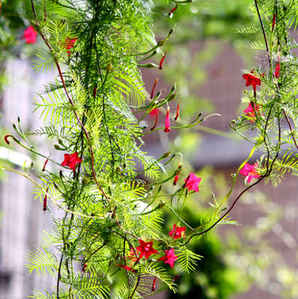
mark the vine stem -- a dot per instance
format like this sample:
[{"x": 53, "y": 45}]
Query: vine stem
[
  {"x": 59, "y": 276},
  {"x": 226, "y": 213},
  {"x": 290, "y": 126},
  {"x": 135, "y": 288},
  {"x": 95, "y": 251},
  {"x": 72, "y": 104},
  {"x": 264, "y": 33}
]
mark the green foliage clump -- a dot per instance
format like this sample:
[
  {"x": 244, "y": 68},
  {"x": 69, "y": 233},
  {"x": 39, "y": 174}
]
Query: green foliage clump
[{"x": 115, "y": 194}]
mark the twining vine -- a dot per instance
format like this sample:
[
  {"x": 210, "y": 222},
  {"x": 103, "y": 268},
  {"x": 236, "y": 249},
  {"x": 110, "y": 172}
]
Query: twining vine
[{"x": 109, "y": 242}]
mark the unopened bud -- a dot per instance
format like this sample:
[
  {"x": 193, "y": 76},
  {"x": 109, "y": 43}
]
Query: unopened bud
[
  {"x": 162, "y": 61},
  {"x": 6, "y": 138},
  {"x": 109, "y": 67}
]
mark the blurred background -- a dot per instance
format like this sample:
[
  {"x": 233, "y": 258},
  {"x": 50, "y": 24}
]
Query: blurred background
[{"x": 212, "y": 45}]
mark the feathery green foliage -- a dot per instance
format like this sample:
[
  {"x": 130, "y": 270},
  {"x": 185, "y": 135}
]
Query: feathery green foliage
[{"x": 114, "y": 196}]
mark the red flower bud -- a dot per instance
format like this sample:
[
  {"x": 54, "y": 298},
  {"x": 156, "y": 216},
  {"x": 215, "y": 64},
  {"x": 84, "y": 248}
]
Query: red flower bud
[
  {"x": 273, "y": 21},
  {"x": 167, "y": 121},
  {"x": 177, "y": 111},
  {"x": 162, "y": 61},
  {"x": 6, "y": 138},
  {"x": 176, "y": 178},
  {"x": 45, "y": 199},
  {"x": 154, "y": 113},
  {"x": 94, "y": 91},
  {"x": 45, "y": 164},
  {"x": 172, "y": 11},
  {"x": 153, "y": 88},
  {"x": 154, "y": 284},
  {"x": 84, "y": 267}
]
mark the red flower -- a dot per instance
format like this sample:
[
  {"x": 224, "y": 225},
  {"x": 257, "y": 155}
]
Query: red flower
[
  {"x": 169, "y": 257},
  {"x": 177, "y": 232},
  {"x": 192, "y": 182},
  {"x": 71, "y": 160},
  {"x": 250, "y": 172},
  {"x": 250, "y": 111},
  {"x": 277, "y": 70},
  {"x": 251, "y": 80},
  {"x": 167, "y": 121},
  {"x": 146, "y": 249},
  {"x": 176, "y": 178},
  {"x": 30, "y": 35},
  {"x": 69, "y": 43},
  {"x": 154, "y": 113}
]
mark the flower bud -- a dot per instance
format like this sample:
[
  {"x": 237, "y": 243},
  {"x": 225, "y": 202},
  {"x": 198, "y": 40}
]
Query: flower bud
[
  {"x": 162, "y": 61},
  {"x": 177, "y": 111},
  {"x": 167, "y": 121}
]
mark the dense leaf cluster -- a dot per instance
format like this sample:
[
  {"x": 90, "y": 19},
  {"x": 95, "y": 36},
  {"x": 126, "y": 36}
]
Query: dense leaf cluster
[{"x": 117, "y": 195}]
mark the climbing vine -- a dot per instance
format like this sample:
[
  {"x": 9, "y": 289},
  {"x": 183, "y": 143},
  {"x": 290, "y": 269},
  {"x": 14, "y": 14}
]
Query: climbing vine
[{"x": 109, "y": 243}]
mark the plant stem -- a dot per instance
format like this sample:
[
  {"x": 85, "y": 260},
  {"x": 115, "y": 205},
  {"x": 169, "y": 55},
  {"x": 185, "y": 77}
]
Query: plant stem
[
  {"x": 264, "y": 33},
  {"x": 72, "y": 104}
]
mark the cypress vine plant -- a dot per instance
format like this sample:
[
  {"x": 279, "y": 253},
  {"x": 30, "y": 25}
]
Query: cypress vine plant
[{"x": 109, "y": 242}]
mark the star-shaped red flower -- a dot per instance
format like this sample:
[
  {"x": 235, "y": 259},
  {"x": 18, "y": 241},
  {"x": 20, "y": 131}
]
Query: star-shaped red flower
[
  {"x": 169, "y": 257},
  {"x": 192, "y": 182},
  {"x": 30, "y": 35},
  {"x": 277, "y": 70},
  {"x": 69, "y": 43},
  {"x": 71, "y": 160},
  {"x": 146, "y": 249},
  {"x": 250, "y": 111},
  {"x": 250, "y": 172},
  {"x": 177, "y": 231},
  {"x": 251, "y": 80}
]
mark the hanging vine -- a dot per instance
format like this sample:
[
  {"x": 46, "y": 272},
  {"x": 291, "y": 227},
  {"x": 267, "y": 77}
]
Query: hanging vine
[{"x": 109, "y": 242}]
